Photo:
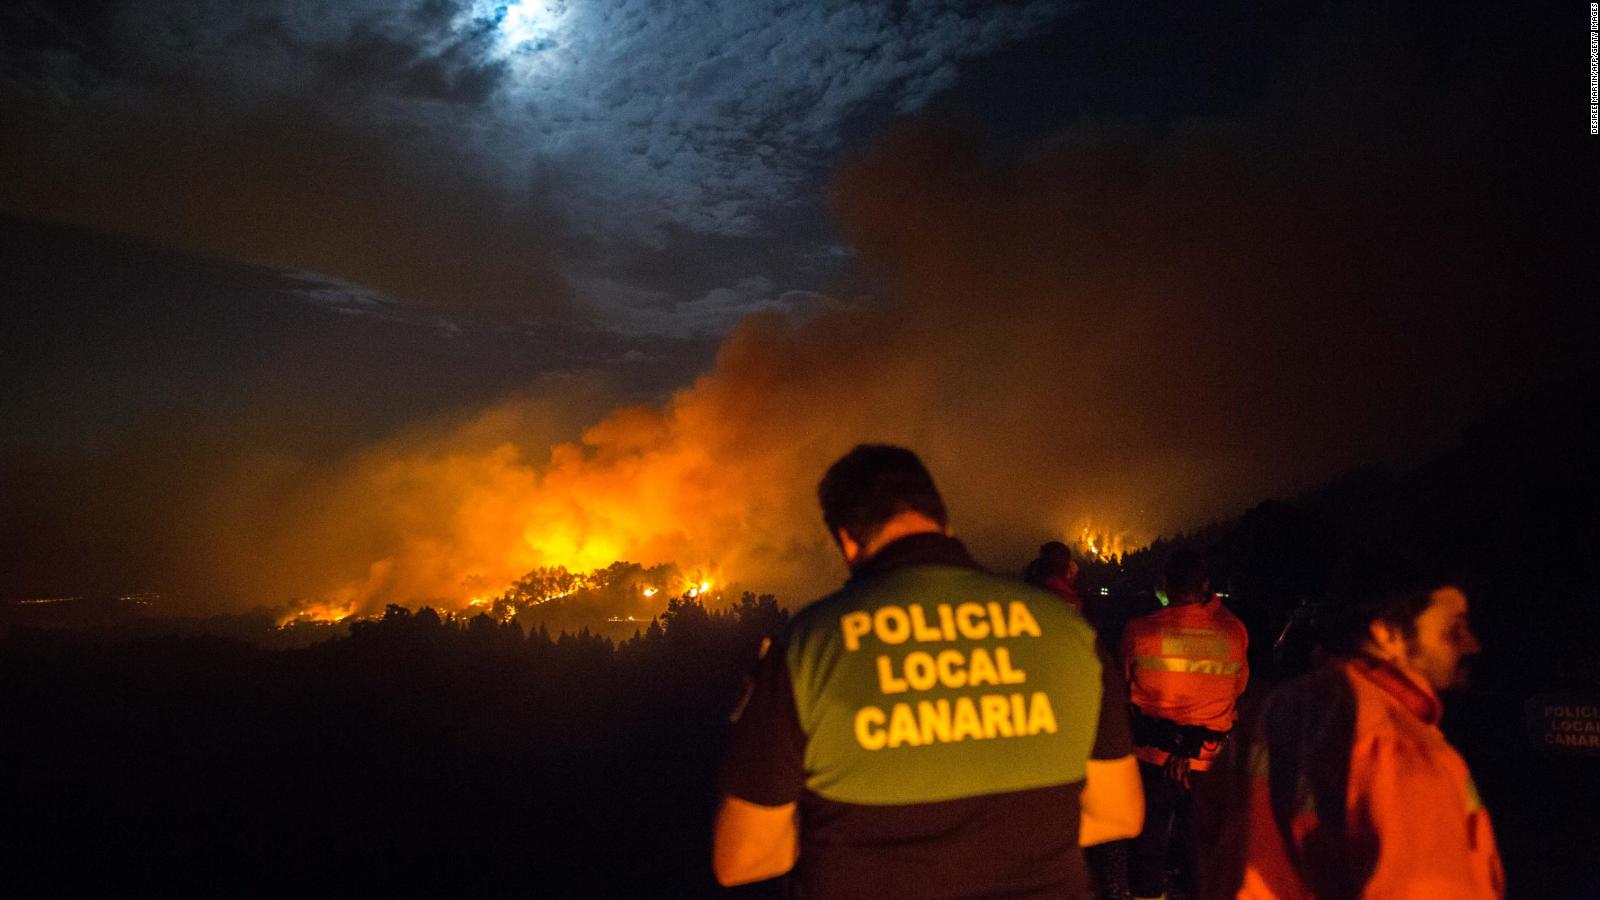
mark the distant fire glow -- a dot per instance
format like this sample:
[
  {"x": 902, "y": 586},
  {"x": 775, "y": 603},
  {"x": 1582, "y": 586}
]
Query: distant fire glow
[
  {"x": 711, "y": 483},
  {"x": 1102, "y": 544},
  {"x": 317, "y": 613}
]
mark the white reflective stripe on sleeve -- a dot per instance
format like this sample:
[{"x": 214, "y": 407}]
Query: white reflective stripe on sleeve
[{"x": 1195, "y": 666}]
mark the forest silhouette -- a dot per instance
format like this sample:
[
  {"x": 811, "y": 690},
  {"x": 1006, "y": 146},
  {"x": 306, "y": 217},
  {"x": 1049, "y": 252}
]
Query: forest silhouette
[{"x": 459, "y": 756}]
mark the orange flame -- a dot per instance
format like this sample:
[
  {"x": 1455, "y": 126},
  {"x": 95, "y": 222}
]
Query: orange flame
[
  {"x": 1101, "y": 543},
  {"x": 688, "y": 483},
  {"x": 317, "y": 613}
]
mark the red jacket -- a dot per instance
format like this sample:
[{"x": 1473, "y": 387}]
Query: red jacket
[
  {"x": 1187, "y": 664},
  {"x": 1355, "y": 792}
]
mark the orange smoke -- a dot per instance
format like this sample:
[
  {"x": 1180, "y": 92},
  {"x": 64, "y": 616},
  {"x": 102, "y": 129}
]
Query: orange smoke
[
  {"x": 710, "y": 481},
  {"x": 1094, "y": 337},
  {"x": 721, "y": 477},
  {"x": 718, "y": 480}
]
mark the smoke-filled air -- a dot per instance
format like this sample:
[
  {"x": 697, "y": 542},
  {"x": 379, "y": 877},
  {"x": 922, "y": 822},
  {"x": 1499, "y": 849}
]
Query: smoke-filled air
[
  {"x": 1114, "y": 336},
  {"x": 1095, "y": 323}
]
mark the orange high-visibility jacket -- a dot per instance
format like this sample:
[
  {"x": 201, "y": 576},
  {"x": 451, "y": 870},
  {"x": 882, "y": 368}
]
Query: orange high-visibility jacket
[
  {"x": 1187, "y": 664},
  {"x": 1355, "y": 792}
]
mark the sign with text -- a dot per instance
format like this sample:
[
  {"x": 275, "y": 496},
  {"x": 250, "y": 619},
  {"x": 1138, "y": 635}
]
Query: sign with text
[{"x": 1565, "y": 724}]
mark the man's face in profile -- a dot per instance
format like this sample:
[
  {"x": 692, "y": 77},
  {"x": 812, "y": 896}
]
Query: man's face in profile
[{"x": 1443, "y": 641}]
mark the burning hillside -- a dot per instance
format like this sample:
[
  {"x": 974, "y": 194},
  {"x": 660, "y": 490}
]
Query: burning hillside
[
  {"x": 1115, "y": 336},
  {"x": 548, "y": 595},
  {"x": 1005, "y": 293}
]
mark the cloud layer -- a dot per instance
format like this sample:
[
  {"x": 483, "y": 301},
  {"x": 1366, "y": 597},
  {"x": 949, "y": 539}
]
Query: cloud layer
[{"x": 514, "y": 157}]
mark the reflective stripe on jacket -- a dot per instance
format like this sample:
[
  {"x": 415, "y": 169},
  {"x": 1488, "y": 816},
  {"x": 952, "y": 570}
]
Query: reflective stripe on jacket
[{"x": 1187, "y": 664}]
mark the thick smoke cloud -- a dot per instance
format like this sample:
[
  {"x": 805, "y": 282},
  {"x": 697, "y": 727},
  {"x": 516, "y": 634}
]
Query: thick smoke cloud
[
  {"x": 1129, "y": 326},
  {"x": 1125, "y": 331}
]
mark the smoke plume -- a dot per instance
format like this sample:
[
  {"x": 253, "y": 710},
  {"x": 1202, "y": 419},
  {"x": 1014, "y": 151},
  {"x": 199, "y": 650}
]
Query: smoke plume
[
  {"x": 1122, "y": 332},
  {"x": 1128, "y": 328}
]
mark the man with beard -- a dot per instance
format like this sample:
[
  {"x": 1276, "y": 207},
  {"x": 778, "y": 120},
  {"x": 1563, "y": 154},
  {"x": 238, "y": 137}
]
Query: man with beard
[{"x": 1353, "y": 791}]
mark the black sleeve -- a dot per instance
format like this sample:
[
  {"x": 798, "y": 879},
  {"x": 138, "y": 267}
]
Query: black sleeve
[
  {"x": 1112, "y": 738},
  {"x": 765, "y": 762}
]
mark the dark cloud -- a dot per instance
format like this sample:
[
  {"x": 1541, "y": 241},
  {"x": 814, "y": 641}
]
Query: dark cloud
[
  {"x": 459, "y": 70},
  {"x": 493, "y": 155},
  {"x": 292, "y": 187}
]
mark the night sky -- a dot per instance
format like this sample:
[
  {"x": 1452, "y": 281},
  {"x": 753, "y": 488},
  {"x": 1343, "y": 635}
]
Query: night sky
[{"x": 388, "y": 302}]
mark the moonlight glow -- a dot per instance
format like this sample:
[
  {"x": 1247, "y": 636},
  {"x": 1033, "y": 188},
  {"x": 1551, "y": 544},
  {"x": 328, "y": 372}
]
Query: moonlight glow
[{"x": 529, "y": 26}]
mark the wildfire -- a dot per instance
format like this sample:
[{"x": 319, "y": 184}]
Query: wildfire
[
  {"x": 692, "y": 586},
  {"x": 318, "y": 613},
  {"x": 1101, "y": 544}
]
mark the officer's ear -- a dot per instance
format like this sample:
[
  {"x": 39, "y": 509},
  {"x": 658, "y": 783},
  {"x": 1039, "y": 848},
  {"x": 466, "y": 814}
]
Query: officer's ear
[{"x": 847, "y": 546}]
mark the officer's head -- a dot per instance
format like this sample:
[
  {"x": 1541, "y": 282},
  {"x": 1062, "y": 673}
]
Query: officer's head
[
  {"x": 1185, "y": 577},
  {"x": 1415, "y": 619},
  {"x": 875, "y": 493}
]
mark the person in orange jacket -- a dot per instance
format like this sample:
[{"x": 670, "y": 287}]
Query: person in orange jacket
[
  {"x": 1186, "y": 668},
  {"x": 1351, "y": 788}
]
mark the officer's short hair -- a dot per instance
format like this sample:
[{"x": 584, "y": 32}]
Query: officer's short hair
[
  {"x": 871, "y": 485},
  {"x": 1376, "y": 588}
]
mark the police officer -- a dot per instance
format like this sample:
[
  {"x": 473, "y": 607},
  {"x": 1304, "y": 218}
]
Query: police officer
[{"x": 930, "y": 729}]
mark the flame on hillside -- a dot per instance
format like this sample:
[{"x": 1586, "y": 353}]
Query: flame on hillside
[
  {"x": 1103, "y": 544},
  {"x": 712, "y": 481},
  {"x": 317, "y": 613}
]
